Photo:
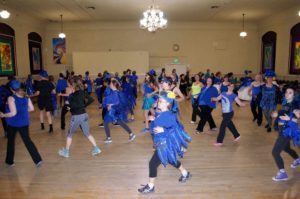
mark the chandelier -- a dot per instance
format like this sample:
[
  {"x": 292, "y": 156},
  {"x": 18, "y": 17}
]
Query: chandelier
[
  {"x": 243, "y": 34},
  {"x": 61, "y": 35},
  {"x": 153, "y": 19},
  {"x": 4, "y": 13}
]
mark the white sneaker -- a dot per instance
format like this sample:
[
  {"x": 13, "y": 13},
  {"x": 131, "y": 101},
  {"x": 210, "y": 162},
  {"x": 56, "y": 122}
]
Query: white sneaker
[{"x": 192, "y": 122}]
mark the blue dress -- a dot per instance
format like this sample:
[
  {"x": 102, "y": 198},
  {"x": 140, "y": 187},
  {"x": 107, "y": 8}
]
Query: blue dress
[
  {"x": 148, "y": 101},
  {"x": 268, "y": 100},
  {"x": 169, "y": 143},
  {"x": 128, "y": 91}
]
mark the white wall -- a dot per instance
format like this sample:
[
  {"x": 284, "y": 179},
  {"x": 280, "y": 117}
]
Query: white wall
[
  {"x": 281, "y": 23},
  {"x": 23, "y": 25},
  {"x": 202, "y": 45}
]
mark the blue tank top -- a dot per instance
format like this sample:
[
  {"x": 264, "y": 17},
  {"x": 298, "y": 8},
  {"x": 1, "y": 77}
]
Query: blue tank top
[
  {"x": 255, "y": 91},
  {"x": 147, "y": 89},
  {"x": 22, "y": 117}
]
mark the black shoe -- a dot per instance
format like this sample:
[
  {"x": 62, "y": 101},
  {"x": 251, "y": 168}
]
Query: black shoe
[
  {"x": 116, "y": 124},
  {"x": 62, "y": 128},
  {"x": 269, "y": 130},
  {"x": 185, "y": 178},
  {"x": 146, "y": 189},
  {"x": 258, "y": 124},
  {"x": 267, "y": 126},
  {"x": 42, "y": 126},
  {"x": 101, "y": 125},
  {"x": 51, "y": 129}
]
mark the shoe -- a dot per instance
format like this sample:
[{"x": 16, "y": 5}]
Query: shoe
[
  {"x": 96, "y": 150},
  {"x": 101, "y": 125},
  {"x": 269, "y": 129},
  {"x": 295, "y": 164},
  {"x": 146, "y": 189},
  {"x": 131, "y": 137},
  {"x": 259, "y": 124},
  {"x": 213, "y": 129},
  {"x": 50, "y": 128},
  {"x": 108, "y": 140},
  {"x": 237, "y": 139},
  {"x": 10, "y": 165},
  {"x": 42, "y": 126},
  {"x": 267, "y": 126},
  {"x": 198, "y": 132},
  {"x": 218, "y": 144},
  {"x": 145, "y": 130},
  {"x": 64, "y": 152},
  {"x": 39, "y": 164},
  {"x": 62, "y": 128},
  {"x": 281, "y": 176},
  {"x": 192, "y": 122},
  {"x": 185, "y": 178},
  {"x": 116, "y": 124}
]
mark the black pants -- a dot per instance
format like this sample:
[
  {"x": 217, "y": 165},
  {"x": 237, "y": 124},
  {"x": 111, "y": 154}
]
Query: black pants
[
  {"x": 154, "y": 164},
  {"x": 205, "y": 115},
  {"x": 196, "y": 110},
  {"x": 183, "y": 89},
  {"x": 227, "y": 122},
  {"x": 104, "y": 110},
  {"x": 64, "y": 111},
  {"x": 121, "y": 123},
  {"x": 282, "y": 144},
  {"x": 256, "y": 111},
  {"x": 24, "y": 132}
]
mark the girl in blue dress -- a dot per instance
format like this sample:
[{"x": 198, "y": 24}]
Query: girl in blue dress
[
  {"x": 150, "y": 89},
  {"x": 117, "y": 110},
  {"x": 268, "y": 100},
  {"x": 169, "y": 138}
]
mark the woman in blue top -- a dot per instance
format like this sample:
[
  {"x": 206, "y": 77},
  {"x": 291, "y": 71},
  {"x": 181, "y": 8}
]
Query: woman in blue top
[
  {"x": 117, "y": 110},
  {"x": 268, "y": 100},
  {"x": 207, "y": 106},
  {"x": 255, "y": 92},
  {"x": 61, "y": 87},
  {"x": 17, "y": 118},
  {"x": 227, "y": 98},
  {"x": 225, "y": 83},
  {"x": 169, "y": 139}
]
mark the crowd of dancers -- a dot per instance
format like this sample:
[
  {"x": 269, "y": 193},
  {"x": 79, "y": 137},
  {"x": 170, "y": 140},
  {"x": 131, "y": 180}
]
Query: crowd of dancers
[{"x": 162, "y": 94}]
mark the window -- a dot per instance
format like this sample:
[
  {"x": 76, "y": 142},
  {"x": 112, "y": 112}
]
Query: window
[
  {"x": 268, "y": 51},
  {"x": 295, "y": 50},
  {"x": 35, "y": 52}
]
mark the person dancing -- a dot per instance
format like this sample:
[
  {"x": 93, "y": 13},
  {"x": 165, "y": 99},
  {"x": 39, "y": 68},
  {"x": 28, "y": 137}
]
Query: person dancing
[
  {"x": 78, "y": 100},
  {"x": 227, "y": 98},
  {"x": 17, "y": 118},
  {"x": 206, "y": 106},
  {"x": 169, "y": 137}
]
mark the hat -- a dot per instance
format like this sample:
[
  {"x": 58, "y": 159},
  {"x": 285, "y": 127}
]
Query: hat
[
  {"x": 270, "y": 73},
  {"x": 152, "y": 72},
  {"x": 15, "y": 84},
  {"x": 43, "y": 73},
  {"x": 169, "y": 96}
]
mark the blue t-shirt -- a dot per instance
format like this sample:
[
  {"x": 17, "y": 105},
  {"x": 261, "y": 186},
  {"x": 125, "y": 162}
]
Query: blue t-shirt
[
  {"x": 205, "y": 96},
  {"x": 21, "y": 119},
  {"x": 227, "y": 101}
]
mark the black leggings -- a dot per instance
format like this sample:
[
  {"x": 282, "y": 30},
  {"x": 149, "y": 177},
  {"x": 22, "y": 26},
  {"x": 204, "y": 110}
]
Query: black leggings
[
  {"x": 227, "y": 122},
  {"x": 282, "y": 144},
  {"x": 24, "y": 132},
  {"x": 64, "y": 111},
  {"x": 196, "y": 110},
  {"x": 121, "y": 123},
  {"x": 205, "y": 115},
  {"x": 154, "y": 164},
  {"x": 256, "y": 111}
]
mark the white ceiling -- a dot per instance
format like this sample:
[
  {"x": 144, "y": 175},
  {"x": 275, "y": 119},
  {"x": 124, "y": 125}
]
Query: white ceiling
[{"x": 127, "y": 10}]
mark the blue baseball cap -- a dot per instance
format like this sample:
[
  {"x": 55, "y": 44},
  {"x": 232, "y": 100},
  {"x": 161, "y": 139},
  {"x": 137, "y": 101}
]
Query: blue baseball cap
[
  {"x": 43, "y": 73},
  {"x": 15, "y": 84}
]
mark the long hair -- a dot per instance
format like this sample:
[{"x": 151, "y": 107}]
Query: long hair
[{"x": 78, "y": 85}]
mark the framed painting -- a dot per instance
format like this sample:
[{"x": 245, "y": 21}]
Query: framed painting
[
  {"x": 268, "y": 51},
  {"x": 7, "y": 56},
  {"x": 35, "y": 54},
  {"x": 59, "y": 51},
  {"x": 295, "y": 57}
]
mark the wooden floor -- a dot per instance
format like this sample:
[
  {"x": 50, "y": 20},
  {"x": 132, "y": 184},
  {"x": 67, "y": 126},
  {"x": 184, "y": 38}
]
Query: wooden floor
[{"x": 233, "y": 171}]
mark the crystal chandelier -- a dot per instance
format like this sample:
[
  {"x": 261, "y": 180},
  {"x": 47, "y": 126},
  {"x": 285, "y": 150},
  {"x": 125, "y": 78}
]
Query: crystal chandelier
[{"x": 153, "y": 19}]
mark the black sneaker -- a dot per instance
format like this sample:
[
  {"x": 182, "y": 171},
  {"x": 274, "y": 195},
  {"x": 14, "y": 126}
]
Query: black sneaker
[
  {"x": 116, "y": 124},
  {"x": 101, "y": 125},
  {"x": 267, "y": 126},
  {"x": 269, "y": 130},
  {"x": 185, "y": 178},
  {"x": 42, "y": 126},
  {"x": 50, "y": 128},
  {"x": 146, "y": 189}
]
